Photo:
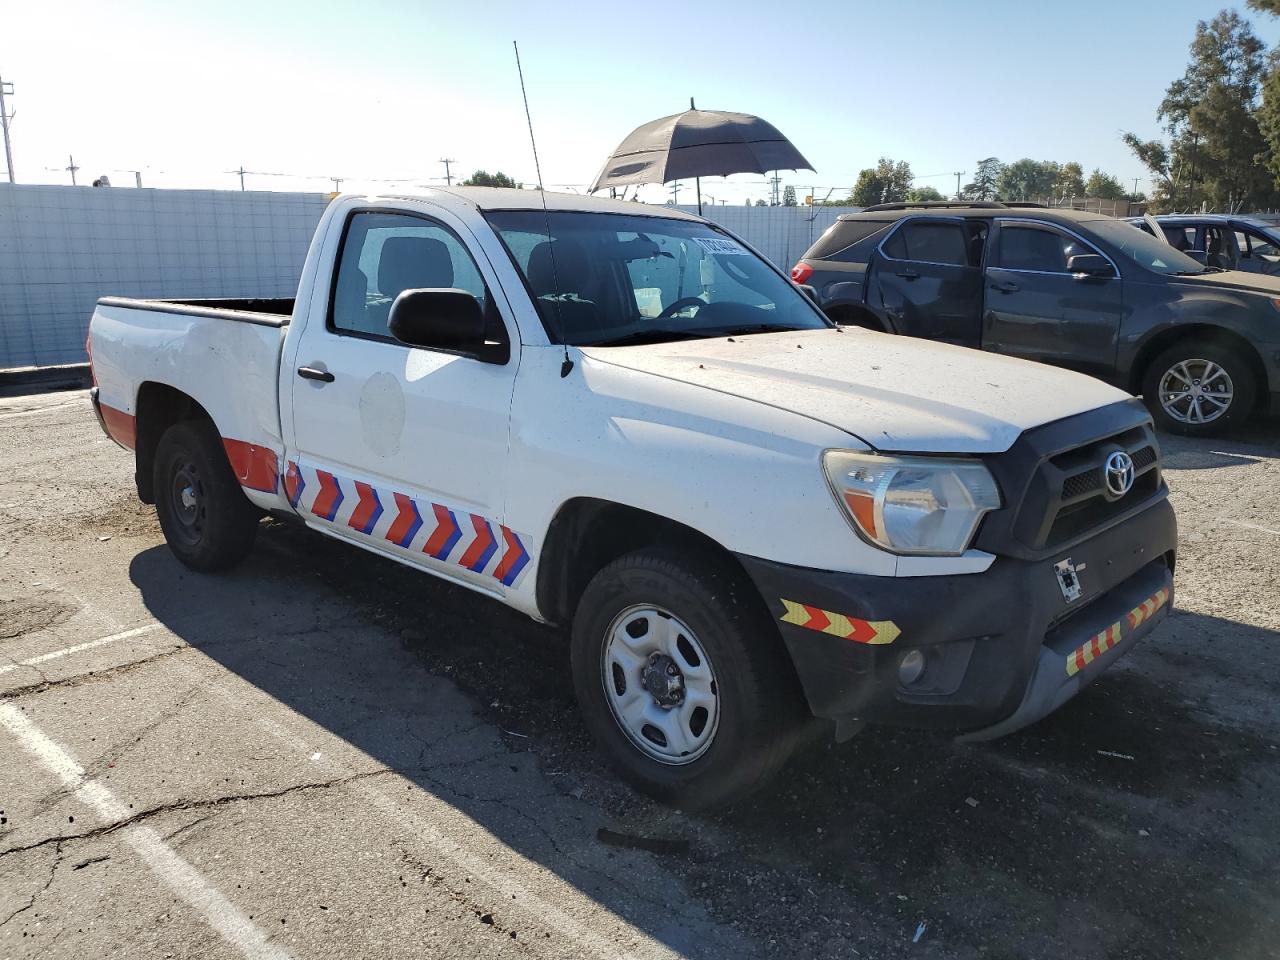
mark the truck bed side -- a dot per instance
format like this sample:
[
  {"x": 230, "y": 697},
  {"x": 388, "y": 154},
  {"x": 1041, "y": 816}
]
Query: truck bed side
[{"x": 223, "y": 355}]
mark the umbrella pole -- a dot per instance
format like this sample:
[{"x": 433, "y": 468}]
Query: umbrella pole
[{"x": 697, "y": 184}]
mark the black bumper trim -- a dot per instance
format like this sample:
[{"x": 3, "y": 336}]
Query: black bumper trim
[{"x": 987, "y": 628}]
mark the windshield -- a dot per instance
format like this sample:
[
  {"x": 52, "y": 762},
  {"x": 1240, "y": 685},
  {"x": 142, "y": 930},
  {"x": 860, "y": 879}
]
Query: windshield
[
  {"x": 1144, "y": 249},
  {"x": 608, "y": 278}
]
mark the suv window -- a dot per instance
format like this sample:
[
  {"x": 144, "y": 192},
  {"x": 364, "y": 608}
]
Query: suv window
[
  {"x": 925, "y": 241},
  {"x": 384, "y": 254},
  {"x": 843, "y": 234},
  {"x": 1031, "y": 247}
]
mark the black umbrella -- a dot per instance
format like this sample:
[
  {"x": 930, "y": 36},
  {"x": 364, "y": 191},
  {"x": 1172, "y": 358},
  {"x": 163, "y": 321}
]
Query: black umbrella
[{"x": 699, "y": 143}]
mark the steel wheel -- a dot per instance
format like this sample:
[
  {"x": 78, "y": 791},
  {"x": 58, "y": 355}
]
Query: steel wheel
[
  {"x": 660, "y": 685},
  {"x": 187, "y": 497},
  {"x": 1196, "y": 391}
]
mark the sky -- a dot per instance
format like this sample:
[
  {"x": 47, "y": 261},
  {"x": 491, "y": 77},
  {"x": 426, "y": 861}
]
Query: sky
[{"x": 378, "y": 92}]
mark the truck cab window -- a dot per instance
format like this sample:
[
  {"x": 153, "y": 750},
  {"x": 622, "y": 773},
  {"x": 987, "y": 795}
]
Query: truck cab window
[{"x": 384, "y": 254}]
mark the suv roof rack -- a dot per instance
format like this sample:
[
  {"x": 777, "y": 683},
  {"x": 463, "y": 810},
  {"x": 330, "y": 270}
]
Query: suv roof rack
[{"x": 939, "y": 205}]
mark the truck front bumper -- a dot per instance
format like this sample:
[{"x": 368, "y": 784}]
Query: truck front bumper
[{"x": 984, "y": 654}]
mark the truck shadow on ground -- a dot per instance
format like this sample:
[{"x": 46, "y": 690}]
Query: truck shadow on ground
[{"x": 1107, "y": 829}]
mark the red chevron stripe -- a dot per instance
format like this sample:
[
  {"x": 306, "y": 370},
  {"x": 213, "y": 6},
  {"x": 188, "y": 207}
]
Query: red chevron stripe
[
  {"x": 364, "y": 511},
  {"x": 514, "y": 553},
  {"x": 446, "y": 527},
  {"x": 405, "y": 520},
  {"x": 330, "y": 495},
  {"x": 482, "y": 542},
  {"x": 862, "y": 632},
  {"x": 818, "y": 620}
]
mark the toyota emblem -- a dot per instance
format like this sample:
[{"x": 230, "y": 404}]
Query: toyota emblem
[{"x": 1119, "y": 474}]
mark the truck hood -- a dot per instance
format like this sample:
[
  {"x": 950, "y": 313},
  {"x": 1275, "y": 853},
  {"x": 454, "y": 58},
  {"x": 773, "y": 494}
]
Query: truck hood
[{"x": 893, "y": 393}]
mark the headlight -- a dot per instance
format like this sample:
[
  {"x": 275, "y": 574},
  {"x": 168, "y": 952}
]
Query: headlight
[{"x": 918, "y": 505}]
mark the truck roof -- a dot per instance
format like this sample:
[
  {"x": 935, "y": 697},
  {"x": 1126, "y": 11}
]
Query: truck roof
[{"x": 500, "y": 198}]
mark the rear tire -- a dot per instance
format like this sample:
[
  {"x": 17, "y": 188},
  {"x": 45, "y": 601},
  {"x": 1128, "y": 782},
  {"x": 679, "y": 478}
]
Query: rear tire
[
  {"x": 1199, "y": 388},
  {"x": 207, "y": 521},
  {"x": 731, "y": 666}
]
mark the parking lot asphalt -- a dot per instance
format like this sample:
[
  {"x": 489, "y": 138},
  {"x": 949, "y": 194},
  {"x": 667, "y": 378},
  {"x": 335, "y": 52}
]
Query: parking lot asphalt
[{"x": 324, "y": 754}]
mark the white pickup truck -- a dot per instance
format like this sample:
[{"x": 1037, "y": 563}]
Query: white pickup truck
[{"x": 622, "y": 419}]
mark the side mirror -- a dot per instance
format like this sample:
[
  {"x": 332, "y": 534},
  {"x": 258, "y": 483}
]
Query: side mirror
[
  {"x": 1199, "y": 256},
  {"x": 1090, "y": 265},
  {"x": 444, "y": 318}
]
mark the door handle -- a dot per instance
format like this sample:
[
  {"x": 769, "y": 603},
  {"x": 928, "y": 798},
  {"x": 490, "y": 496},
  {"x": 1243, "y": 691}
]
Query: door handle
[
  {"x": 315, "y": 373},
  {"x": 1004, "y": 286},
  {"x": 908, "y": 275}
]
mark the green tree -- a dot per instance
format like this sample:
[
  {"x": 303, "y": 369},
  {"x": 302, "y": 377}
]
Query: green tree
[
  {"x": 788, "y": 196},
  {"x": 1027, "y": 179},
  {"x": 1104, "y": 185},
  {"x": 924, "y": 195},
  {"x": 1211, "y": 115},
  {"x": 886, "y": 182},
  {"x": 1070, "y": 181},
  {"x": 482, "y": 178},
  {"x": 985, "y": 178},
  {"x": 1266, "y": 6}
]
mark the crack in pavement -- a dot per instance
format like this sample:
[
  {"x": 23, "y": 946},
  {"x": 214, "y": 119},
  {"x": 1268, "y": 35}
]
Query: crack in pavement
[
  {"x": 115, "y": 751},
  {"x": 91, "y": 676},
  {"x": 195, "y": 804},
  {"x": 53, "y": 870}
]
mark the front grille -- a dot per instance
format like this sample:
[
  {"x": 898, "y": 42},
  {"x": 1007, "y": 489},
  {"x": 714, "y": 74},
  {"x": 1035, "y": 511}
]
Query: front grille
[
  {"x": 1091, "y": 481},
  {"x": 1053, "y": 479}
]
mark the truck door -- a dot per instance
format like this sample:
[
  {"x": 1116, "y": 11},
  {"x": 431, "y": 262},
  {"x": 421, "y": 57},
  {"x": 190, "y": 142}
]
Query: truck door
[
  {"x": 1037, "y": 310},
  {"x": 403, "y": 449},
  {"x": 928, "y": 281}
]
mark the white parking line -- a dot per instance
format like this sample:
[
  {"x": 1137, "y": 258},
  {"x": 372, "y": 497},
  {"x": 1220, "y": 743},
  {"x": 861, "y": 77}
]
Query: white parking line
[
  {"x": 184, "y": 879},
  {"x": 35, "y": 410},
  {"x": 1249, "y": 526},
  {"x": 88, "y": 645}
]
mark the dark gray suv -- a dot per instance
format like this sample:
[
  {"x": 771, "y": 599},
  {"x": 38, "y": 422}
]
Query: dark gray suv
[{"x": 1080, "y": 290}]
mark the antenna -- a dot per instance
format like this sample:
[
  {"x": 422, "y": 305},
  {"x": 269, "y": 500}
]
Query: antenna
[{"x": 551, "y": 246}]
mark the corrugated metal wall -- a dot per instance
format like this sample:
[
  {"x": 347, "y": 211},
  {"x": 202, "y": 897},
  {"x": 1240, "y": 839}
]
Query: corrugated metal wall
[
  {"x": 782, "y": 234},
  {"x": 63, "y": 247}
]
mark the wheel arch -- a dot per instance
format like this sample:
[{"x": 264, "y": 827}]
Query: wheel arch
[
  {"x": 586, "y": 534},
  {"x": 157, "y": 407},
  {"x": 1163, "y": 339}
]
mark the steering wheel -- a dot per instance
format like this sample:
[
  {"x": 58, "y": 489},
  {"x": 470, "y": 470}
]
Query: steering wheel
[{"x": 679, "y": 305}]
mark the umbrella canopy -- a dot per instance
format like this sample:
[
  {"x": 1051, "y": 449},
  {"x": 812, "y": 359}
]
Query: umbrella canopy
[{"x": 699, "y": 143}]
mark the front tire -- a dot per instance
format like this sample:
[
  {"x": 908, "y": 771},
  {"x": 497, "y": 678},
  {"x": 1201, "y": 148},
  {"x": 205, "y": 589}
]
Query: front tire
[
  {"x": 208, "y": 522},
  {"x": 681, "y": 680},
  {"x": 1199, "y": 388}
]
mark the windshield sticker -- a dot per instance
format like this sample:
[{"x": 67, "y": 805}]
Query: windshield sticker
[{"x": 721, "y": 246}]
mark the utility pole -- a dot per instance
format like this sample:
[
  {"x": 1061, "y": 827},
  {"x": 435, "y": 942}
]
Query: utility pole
[
  {"x": 959, "y": 174},
  {"x": 774, "y": 182},
  {"x": 675, "y": 193},
  {"x": 1135, "y": 186},
  {"x": 241, "y": 172},
  {"x": 337, "y": 184},
  {"x": 6, "y": 89},
  {"x": 73, "y": 168},
  {"x": 137, "y": 178},
  {"x": 448, "y": 177}
]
